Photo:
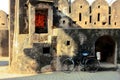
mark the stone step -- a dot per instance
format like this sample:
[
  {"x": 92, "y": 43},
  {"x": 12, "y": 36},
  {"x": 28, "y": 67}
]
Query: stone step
[{"x": 107, "y": 65}]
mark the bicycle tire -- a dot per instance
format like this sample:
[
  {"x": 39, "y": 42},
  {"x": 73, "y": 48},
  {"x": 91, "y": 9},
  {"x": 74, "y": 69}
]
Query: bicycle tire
[
  {"x": 92, "y": 65},
  {"x": 68, "y": 65},
  {"x": 82, "y": 62}
]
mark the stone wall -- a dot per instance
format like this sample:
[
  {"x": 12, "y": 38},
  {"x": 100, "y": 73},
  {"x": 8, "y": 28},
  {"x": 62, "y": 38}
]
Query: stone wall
[
  {"x": 3, "y": 19},
  {"x": 4, "y": 34},
  {"x": 115, "y": 16},
  {"x": 23, "y": 60},
  {"x": 84, "y": 39},
  {"x": 65, "y": 42},
  {"x": 64, "y": 36},
  {"x": 97, "y": 15}
]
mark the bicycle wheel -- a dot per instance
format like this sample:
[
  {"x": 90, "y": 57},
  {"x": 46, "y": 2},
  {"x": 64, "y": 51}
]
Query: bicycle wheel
[
  {"x": 92, "y": 65},
  {"x": 82, "y": 62},
  {"x": 67, "y": 65}
]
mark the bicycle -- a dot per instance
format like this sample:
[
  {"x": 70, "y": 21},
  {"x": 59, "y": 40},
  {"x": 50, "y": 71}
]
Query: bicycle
[{"x": 87, "y": 62}]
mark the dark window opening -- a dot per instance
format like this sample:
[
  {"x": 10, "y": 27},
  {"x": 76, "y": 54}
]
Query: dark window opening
[
  {"x": 67, "y": 43},
  {"x": 41, "y": 21},
  {"x": 63, "y": 21},
  {"x": 98, "y": 16},
  {"x": 80, "y": 17},
  {"x": 57, "y": 8},
  {"x": 69, "y": 2},
  {"x": 103, "y": 23},
  {"x": 80, "y": 6},
  {"x": 94, "y": 23},
  {"x": 85, "y": 22},
  {"x": 69, "y": 9},
  {"x": 74, "y": 22},
  {"x": 115, "y": 23},
  {"x": 90, "y": 19},
  {"x": 3, "y": 23},
  {"x": 46, "y": 50},
  {"x": 99, "y": 6},
  {"x": 109, "y": 20},
  {"x": 109, "y": 10},
  {"x": 90, "y": 9}
]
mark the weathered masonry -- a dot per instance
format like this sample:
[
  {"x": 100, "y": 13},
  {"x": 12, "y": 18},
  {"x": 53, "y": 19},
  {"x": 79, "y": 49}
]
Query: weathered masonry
[
  {"x": 46, "y": 30},
  {"x": 4, "y": 34},
  {"x": 97, "y": 15}
]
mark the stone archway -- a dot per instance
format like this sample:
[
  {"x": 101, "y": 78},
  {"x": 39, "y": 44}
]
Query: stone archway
[{"x": 106, "y": 45}]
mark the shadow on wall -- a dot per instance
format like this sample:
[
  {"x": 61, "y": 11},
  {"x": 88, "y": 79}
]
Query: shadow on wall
[
  {"x": 40, "y": 54},
  {"x": 102, "y": 40},
  {"x": 60, "y": 20}
]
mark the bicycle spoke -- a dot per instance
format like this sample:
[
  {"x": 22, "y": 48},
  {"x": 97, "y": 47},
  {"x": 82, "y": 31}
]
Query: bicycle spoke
[
  {"x": 92, "y": 65},
  {"x": 67, "y": 65}
]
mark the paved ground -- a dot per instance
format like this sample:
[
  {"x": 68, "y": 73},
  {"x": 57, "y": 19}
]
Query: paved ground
[
  {"x": 72, "y": 76},
  {"x": 103, "y": 75}
]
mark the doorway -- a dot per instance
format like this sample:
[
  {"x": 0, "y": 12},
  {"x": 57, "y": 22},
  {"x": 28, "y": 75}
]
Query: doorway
[
  {"x": 4, "y": 43},
  {"x": 4, "y": 49},
  {"x": 106, "y": 46}
]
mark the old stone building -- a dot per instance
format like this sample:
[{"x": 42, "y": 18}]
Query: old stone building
[
  {"x": 80, "y": 13},
  {"x": 97, "y": 15},
  {"x": 115, "y": 16},
  {"x": 100, "y": 14},
  {"x": 4, "y": 34},
  {"x": 42, "y": 32}
]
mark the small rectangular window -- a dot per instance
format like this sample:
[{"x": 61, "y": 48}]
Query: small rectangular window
[
  {"x": 85, "y": 22},
  {"x": 115, "y": 23},
  {"x": 67, "y": 43},
  {"x": 69, "y": 9},
  {"x": 94, "y": 23},
  {"x": 74, "y": 22},
  {"x": 109, "y": 20},
  {"x": 80, "y": 17},
  {"x": 98, "y": 16},
  {"x": 90, "y": 19},
  {"x": 99, "y": 6},
  {"x": 69, "y": 6},
  {"x": 46, "y": 50},
  {"x": 81, "y": 6},
  {"x": 69, "y": 3},
  {"x": 90, "y": 9},
  {"x": 109, "y": 10},
  {"x": 103, "y": 23}
]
